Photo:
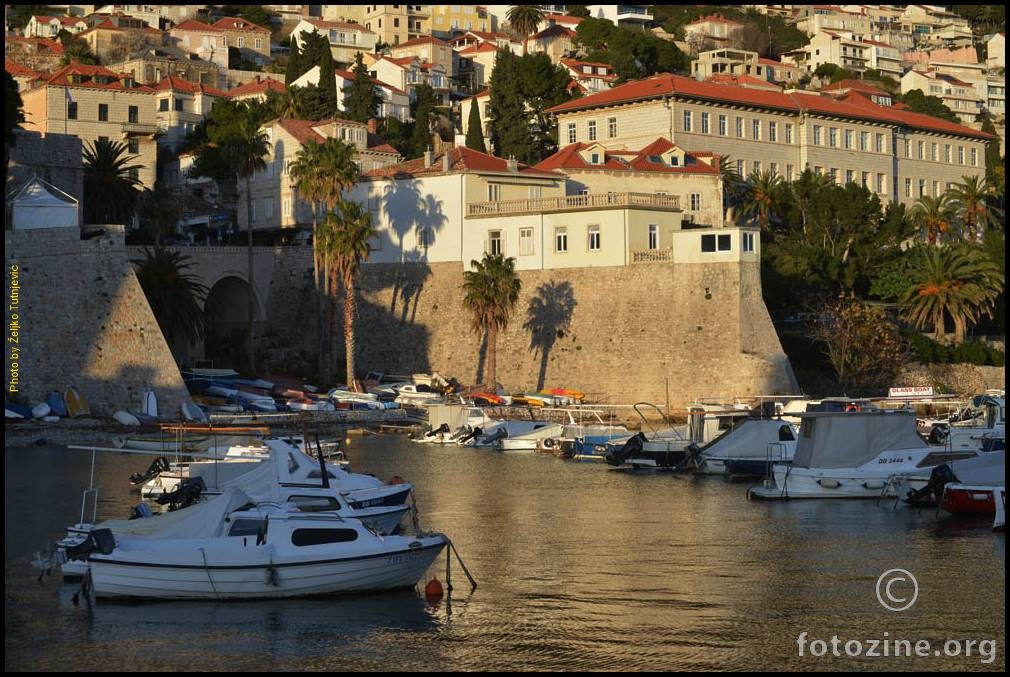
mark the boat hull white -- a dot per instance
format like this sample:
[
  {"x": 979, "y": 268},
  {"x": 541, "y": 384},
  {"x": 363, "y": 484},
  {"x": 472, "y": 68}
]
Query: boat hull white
[{"x": 248, "y": 571}]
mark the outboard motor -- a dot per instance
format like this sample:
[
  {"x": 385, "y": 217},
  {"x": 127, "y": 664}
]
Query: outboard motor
[
  {"x": 187, "y": 493},
  {"x": 468, "y": 433},
  {"x": 631, "y": 449},
  {"x": 444, "y": 428},
  {"x": 99, "y": 540},
  {"x": 158, "y": 466},
  {"x": 939, "y": 434},
  {"x": 931, "y": 494}
]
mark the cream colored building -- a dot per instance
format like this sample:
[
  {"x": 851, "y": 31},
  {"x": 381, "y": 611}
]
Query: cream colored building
[
  {"x": 182, "y": 106},
  {"x": 448, "y": 20},
  {"x": 460, "y": 204},
  {"x": 392, "y": 24},
  {"x": 784, "y": 132},
  {"x": 275, "y": 201},
  {"x": 428, "y": 50},
  {"x": 93, "y": 102},
  {"x": 346, "y": 39},
  {"x": 961, "y": 97},
  {"x": 831, "y": 18},
  {"x": 211, "y": 42},
  {"x": 42, "y": 26},
  {"x": 712, "y": 32},
  {"x": 728, "y": 61}
]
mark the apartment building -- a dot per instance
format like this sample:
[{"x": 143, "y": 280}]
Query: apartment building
[
  {"x": 447, "y": 21},
  {"x": 729, "y": 61},
  {"x": 44, "y": 26},
  {"x": 819, "y": 18},
  {"x": 182, "y": 105},
  {"x": 961, "y": 97},
  {"x": 428, "y": 50},
  {"x": 211, "y": 42},
  {"x": 627, "y": 16},
  {"x": 110, "y": 42},
  {"x": 93, "y": 102},
  {"x": 897, "y": 154},
  {"x": 712, "y": 32},
  {"x": 152, "y": 67},
  {"x": 555, "y": 41},
  {"x": 275, "y": 203},
  {"x": 590, "y": 76},
  {"x": 392, "y": 24},
  {"x": 346, "y": 39},
  {"x": 409, "y": 72}
]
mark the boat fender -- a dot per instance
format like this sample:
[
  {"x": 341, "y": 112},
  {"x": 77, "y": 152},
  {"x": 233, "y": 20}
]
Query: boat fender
[
  {"x": 874, "y": 485},
  {"x": 829, "y": 483}
]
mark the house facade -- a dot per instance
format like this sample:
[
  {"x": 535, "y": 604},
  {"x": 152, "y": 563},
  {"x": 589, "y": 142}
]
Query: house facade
[
  {"x": 346, "y": 39},
  {"x": 897, "y": 154}
]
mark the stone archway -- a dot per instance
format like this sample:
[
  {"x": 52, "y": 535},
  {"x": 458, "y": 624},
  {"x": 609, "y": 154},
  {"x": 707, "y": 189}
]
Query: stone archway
[{"x": 226, "y": 321}]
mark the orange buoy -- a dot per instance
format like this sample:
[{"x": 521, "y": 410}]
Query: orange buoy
[
  {"x": 396, "y": 479},
  {"x": 433, "y": 590}
]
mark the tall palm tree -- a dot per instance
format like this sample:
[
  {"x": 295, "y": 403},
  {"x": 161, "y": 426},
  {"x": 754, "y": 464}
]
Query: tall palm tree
[
  {"x": 970, "y": 203},
  {"x": 933, "y": 216},
  {"x": 761, "y": 193},
  {"x": 345, "y": 239},
  {"x": 524, "y": 20},
  {"x": 322, "y": 172},
  {"x": 960, "y": 282},
  {"x": 491, "y": 292},
  {"x": 157, "y": 211},
  {"x": 111, "y": 185},
  {"x": 245, "y": 151},
  {"x": 176, "y": 296}
]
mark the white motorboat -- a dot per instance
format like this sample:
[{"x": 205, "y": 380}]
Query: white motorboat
[
  {"x": 853, "y": 454},
  {"x": 417, "y": 393},
  {"x": 963, "y": 487},
  {"x": 532, "y": 439},
  {"x": 452, "y": 423},
  {"x": 231, "y": 548},
  {"x": 987, "y": 428},
  {"x": 751, "y": 447}
]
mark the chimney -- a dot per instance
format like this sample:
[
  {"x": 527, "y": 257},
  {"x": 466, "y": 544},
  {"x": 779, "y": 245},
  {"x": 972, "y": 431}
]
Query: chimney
[
  {"x": 446, "y": 160},
  {"x": 373, "y": 126},
  {"x": 511, "y": 163},
  {"x": 429, "y": 157}
]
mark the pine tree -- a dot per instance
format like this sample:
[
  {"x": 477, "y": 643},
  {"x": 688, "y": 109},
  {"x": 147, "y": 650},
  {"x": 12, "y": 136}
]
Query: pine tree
[
  {"x": 474, "y": 132},
  {"x": 510, "y": 125},
  {"x": 361, "y": 100}
]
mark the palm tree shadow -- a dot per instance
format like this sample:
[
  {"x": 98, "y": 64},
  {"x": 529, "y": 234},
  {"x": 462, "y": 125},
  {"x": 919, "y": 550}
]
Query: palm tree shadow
[{"x": 548, "y": 317}]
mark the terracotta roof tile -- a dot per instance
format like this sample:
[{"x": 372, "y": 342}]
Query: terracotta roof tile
[
  {"x": 461, "y": 159},
  {"x": 257, "y": 87}
]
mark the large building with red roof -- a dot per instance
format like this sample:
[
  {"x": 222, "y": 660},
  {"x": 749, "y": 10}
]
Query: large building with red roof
[{"x": 895, "y": 153}]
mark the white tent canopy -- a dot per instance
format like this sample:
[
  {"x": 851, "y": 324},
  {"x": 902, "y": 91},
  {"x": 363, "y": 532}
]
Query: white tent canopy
[{"x": 39, "y": 204}]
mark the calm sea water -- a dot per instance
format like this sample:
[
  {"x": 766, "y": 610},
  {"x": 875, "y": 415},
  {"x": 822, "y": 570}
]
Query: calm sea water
[{"x": 578, "y": 567}]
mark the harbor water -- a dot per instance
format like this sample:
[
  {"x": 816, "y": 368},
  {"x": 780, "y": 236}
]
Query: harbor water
[{"x": 578, "y": 568}]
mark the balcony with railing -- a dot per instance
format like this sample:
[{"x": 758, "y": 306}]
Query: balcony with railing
[
  {"x": 139, "y": 129},
  {"x": 569, "y": 203},
  {"x": 651, "y": 256}
]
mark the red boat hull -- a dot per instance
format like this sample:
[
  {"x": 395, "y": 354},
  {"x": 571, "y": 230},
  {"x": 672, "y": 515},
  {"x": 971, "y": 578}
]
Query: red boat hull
[{"x": 962, "y": 499}]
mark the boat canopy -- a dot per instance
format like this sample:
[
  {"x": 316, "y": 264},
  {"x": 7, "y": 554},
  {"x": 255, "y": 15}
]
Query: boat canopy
[
  {"x": 750, "y": 438},
  {"x": 850, "y": 439},
  {"x": 985, "y": 469},
  {"x": 202, "y": 520}
]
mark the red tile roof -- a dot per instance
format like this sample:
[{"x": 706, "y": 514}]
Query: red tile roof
[
  {"x": 555, "y": 31},
  {"x": 666, "y": 85},
  {"x": 422, "y": 40},
  {"x": 194, "y": 25},
  {"x": 742, "y": 80},
  {"x": 174, "y": 82},
  {"x": 62, "y": 78},
  {"x": 478, "y": 48},
  {"x": 19, "y": 71},
  {"x": 570, "y": 157},
  {"x": 461, "y": 159},
  {"x": 856, "y": 85},
  {"x": 257, "y": 87},
  {"x": 234, "y": 23},
  {"x": 40, "y": 43}
]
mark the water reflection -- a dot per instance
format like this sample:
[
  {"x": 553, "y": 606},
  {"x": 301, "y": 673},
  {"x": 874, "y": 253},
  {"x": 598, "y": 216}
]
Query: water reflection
[{"x": 578, "y": 568}]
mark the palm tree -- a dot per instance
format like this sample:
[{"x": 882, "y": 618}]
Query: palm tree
[
  {"x": 970, "y": 203},
  {"x": 244, "y": 152},
  {"x": 110, "y": 183},
  {"x": 524, "y": 19},
  {"x": 761, "y": 193},
  {"x": 322, "y": 172},
  {"x": 490, "y": 292},
  {"x": 158, "y": 211},
  {"x": 176, "y": 297},
  {"x": 933, "y": 215},
  {"x": 732, "y": 185},
  {"x": 345, "y": 238},
  {"x": 961, "y": 282}
]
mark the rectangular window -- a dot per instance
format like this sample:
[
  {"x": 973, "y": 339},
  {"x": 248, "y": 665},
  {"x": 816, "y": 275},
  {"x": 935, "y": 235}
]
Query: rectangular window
[
  {"x": 881, "y": 190},
  {"x": 723, "y": 125},
  {"x": 133, "y": 145},
  {"x": 525, "y": 241},
  {"x": 612, "y": 128},
  {"x": 817, "y": 135},
  {"x": 946, "y": 153},
  {"x": 773, "y": 132},
  {"x": 704, "y": 123},
  {"x": 653, "y": 236},
  {"x": 259, "y": 43},
  {"x": 880, "y": 143},
  {"x": 773, "y": 167},
  {"x": 133, "y": 114},
  {"x": 739, "y": 169},
  {"x": 286, "y": 207},
  {"x": 561, "y": 239},
  {"x": 756, "y": 130},
  {"x": 594, "y": 238},
  {"x": 571, "y": 132},
  {"x": 934, "y": 152},
  {"x": 493, "y": 192},
  {"x": 425, "y": 237},
  {"x": 922, "y": 150},
  {"x": 936, "y": 189},
  {"x": 592, "y": 130},
  {"x": 163, "y": 105},
  {"x": 789, "y": 173},
  {"x": 974, "y": 157},
  {"x": 833, "y": 137},
  {"x": 850, "y": 176},
  {"x": 922, "y": 187},
  {"x": 712, "y": 243},
  {"x": 687, "y": 121},
  {"x": 178, "y": 104},
  {"x": 748, "y": 242},
  {"x": 960, "y": 155},
  {"x": 270, "y": 209},
  {"x": 103, "y": 112},
  {"x": 865, "y": 183},
  {"x": 756, "y": 167},
  {"x": 494, "y": 243},
  {"x": 908, "y": 187},
  {"x": 695, "y": 201},
  {"x": 71, "y": 110},
  {"x": 789, "y": 132},
  {"x": 739, "y": 128},
  {"x": 864, "y": 141}
]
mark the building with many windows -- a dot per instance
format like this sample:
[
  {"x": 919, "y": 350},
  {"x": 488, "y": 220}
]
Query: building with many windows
[{"x": 897, "y": 154}]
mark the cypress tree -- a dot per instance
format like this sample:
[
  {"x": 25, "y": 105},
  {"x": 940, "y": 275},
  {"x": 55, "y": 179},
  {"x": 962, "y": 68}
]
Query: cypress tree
[
  {"x": 295, "y": 64},
  {"x": 474, "y": 133},
  {"x": 510, "y": 124},
  {"x": 424, "y": 111},
  {"x": 328, "y": 80},
  {"x": 361, "y": 100}
]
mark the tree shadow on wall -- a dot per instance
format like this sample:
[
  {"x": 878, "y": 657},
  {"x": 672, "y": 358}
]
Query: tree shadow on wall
[
  {"x": 414, "y": 219},
  {"x": 548, "y": 317}
]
